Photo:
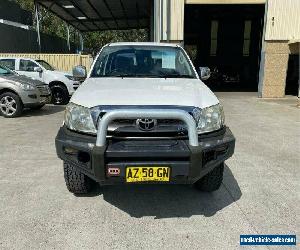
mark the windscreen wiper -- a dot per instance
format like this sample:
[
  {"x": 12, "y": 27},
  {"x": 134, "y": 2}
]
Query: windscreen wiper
[
  {"x": 176, "y": 76},
  {"x": 121, "y": 75}
]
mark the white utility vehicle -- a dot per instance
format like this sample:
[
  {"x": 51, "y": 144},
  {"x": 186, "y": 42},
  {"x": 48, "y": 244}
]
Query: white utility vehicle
[
  {"x": 143, "y": 115},
  {"x": 62, "y": 84}
]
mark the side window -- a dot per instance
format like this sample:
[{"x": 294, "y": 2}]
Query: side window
[
  {"x": 26, "y": 65},
  {"x": 9, "y": 63}
]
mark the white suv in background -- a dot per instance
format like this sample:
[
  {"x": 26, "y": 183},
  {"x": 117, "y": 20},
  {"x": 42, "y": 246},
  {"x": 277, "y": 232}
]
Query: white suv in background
[{"x": 62, "y": 84}]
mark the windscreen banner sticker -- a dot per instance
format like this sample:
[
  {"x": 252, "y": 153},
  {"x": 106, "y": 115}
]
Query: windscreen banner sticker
[{"x": 168, "y": 60}]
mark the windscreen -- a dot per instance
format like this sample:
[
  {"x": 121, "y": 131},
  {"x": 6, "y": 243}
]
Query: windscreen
[
  {"x": 143, "y": 61},
  {"x": 46, "y": 65},
  {"x": 5, "y": 71}
]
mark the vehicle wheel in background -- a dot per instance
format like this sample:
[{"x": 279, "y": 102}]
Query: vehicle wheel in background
[
  {"x": 76, "y": 182},
  {"x": 212, "y": 181},
  {"x": 60, "y": 95},
  {"x": 10, "y": 105}
]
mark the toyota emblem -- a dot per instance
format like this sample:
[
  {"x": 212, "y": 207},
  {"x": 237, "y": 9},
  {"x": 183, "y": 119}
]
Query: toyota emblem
[{"x": 146, "y": 124}]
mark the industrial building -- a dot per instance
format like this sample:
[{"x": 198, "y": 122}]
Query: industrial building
[{"x": 250, "y": 45}]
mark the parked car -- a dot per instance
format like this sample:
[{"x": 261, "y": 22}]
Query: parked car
[
  {"x": 143, "y": 116},
  {"x": 62, "y": 84},
  {"x": 19, "y": 92}
]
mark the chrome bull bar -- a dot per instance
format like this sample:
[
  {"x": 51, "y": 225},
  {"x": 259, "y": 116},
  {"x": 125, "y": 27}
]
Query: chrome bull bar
[{"x": 144, "y": 114}]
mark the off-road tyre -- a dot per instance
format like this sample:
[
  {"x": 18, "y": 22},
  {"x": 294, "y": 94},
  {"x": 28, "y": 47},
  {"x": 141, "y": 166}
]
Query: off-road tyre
[
  {"x": 212, "y": 181},
  {"x": 76, "y": 182}
]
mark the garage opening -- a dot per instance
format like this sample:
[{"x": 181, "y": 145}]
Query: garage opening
[
  {"x": 227, "y": 38},
  {"x": 292, "y": 77}
]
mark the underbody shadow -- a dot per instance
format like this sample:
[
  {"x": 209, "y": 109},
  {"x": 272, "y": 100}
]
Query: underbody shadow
[
  {"x": 46, "y": 110},
  {"x": 168, "y": 201}
]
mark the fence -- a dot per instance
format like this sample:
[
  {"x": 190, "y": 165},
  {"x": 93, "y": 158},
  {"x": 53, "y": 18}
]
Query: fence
[{"x": 63, "y": 62}]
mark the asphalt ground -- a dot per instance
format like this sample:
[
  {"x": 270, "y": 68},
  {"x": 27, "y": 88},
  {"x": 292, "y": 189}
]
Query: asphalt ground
[{"x": 259, "y": 194}]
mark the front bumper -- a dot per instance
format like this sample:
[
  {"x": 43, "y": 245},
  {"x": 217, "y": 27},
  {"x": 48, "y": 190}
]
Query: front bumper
[
  {"x": 39, "y": 96},
  {"x": 188, "y": 163},
  {"x": 72, "y": 86}
]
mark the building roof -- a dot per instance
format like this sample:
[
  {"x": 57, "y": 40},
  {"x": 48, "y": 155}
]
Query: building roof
[{"x": 97, "y": 15}]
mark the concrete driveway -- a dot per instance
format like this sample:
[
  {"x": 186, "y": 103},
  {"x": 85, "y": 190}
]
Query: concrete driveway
[{"x": 259, "y": 194}]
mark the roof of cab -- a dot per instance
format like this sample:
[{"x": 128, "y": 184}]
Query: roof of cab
[{"x": 143, "y": 44}]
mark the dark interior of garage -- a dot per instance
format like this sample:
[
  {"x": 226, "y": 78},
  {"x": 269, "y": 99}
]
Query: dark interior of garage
[
  {"x": 226, "y": 38},
  {"x": 292, "y": 78}
]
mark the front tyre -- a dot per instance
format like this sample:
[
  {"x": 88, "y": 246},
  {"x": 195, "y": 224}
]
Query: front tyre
[
  {"x": 10, "y": 105},
  {"x": 60, "y": 95},
  {"x": 212, "y": 181},
  {"x": 76, "y": 182}
]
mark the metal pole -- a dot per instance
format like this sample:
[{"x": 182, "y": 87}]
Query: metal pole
[
  {"x": 68, "y": 37},
  {"x": 168, "y": 20},
  {"x": 157, "y": 20},
  {"x": 81, "y": 41},
  {"x": 37, "y": 18}
]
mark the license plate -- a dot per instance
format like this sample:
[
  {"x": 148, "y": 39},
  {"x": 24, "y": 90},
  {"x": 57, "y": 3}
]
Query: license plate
[{"x": 142, "y": 174}]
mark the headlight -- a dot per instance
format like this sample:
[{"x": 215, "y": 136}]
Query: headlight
[
  {"x": 79, "y": 118},
  {"x": 72, "y": 78},
  {"x": 27, "y": 87},
  {"x": 209, "y": 119}
]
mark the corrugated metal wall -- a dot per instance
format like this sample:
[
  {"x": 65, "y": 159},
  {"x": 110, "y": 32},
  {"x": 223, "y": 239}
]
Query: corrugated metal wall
[
  {"x": 171, "y": 16},
  {"x": 63, "y": 62},
  {"x": 177, "y": 20},
  {"x": 283, "y": 20}
]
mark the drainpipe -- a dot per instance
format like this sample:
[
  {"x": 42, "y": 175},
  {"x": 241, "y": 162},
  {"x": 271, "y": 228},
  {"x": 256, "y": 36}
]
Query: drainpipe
[
  {"x": 263, "y": 54},
  {"x": 157, "y": 20},
  {"x": 168, "y": 20}
]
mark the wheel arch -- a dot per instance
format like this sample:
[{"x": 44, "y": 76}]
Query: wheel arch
[
  {"x": 4, "y": 90},
  {"x": 55, "y": 83},
  {"x": 19, "y": 102}
]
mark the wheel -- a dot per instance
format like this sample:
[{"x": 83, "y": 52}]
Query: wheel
[
  {"x": 10, "y": 105},
  {"x": 76, "y": 182},
  {"x": 38, "y": 107},
  {"x": 212, "y": 181},
  {"x": 60, "y": 95}
]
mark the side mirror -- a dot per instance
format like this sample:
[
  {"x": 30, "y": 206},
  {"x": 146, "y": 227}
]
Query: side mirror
[
  {"x": 79, "y": 72},
  {"x": 204, "y": 73},
  {"x": 38, "y": 69}
]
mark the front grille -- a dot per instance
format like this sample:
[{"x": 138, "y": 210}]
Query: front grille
[
  {"x": 164, "y": 128},
  {"x": 170, "y": 128},
  {"x": 159, "y": 122}
]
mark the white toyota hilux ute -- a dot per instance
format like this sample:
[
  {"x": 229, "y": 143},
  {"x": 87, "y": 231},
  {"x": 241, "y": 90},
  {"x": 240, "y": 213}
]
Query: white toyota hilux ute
[
  {"x": 62, "y": 84},
  {"x": 143, "y": 115}
]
